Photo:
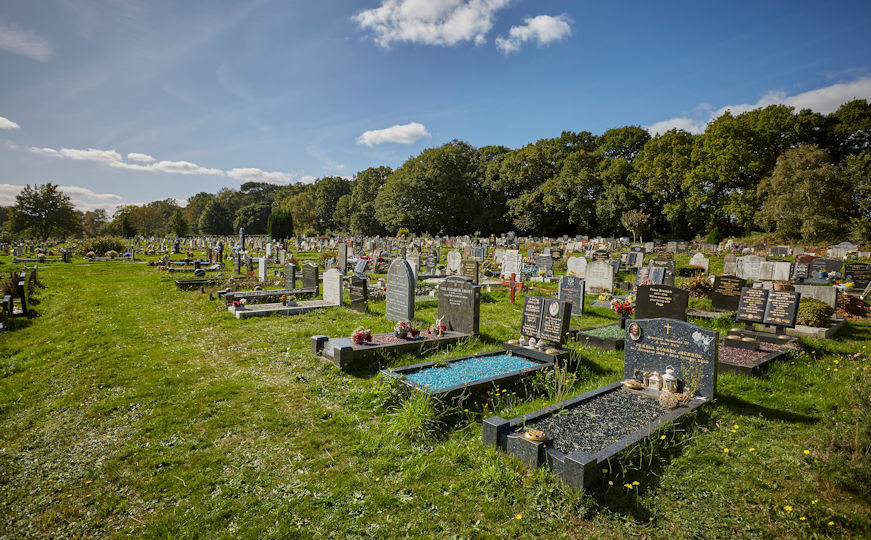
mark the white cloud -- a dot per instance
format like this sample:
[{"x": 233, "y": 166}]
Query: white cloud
[
  {"x": 405, "y": 134},
  {"x": 822, "y": 100},
  {"x": 82, "y": 198},
  {"x": 256, "y": 175},
  {"x": 543, "y": 29},
  {"x": 92, "y": 154},
  {"x": 8, "y": 193},
  {"x": 431, "y": 22},
  {"x": 6, "y": 123},
  {"x": 24, "y": 42},
  {"x": 141, "y": 158}
]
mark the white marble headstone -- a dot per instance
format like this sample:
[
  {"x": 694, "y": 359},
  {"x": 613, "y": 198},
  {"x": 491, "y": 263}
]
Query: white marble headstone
[
  {"x": 599, "y": 275},
  {"x": 512, "y": 263},
  {"x": 261, "y": 269},
  {"x": 781, "y": 271},
  {"x": 699, "y": 260},
  {"x": 454, "y": 260},
  {"x": 333, "y": 287},
  {"x": 576, "y": 266}
]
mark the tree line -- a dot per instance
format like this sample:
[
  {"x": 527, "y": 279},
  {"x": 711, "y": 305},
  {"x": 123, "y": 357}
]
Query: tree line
[{"x": 802, "y": 175}]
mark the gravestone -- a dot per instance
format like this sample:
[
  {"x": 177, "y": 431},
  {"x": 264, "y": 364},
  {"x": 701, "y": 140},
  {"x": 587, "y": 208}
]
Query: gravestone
[
  {"x": 858, "y": 273},
  {"x": 545, "y": 318},
  {"x": 766, "y": 271},
  {"x": 432, "y": 261},
  {"x": 360, "y": 267},
  {"x": 249, "y": 264},
  {"x": 599, "y": 276},
  {"x": 801, "y": 271},
  {"x": 782, "y": 271},
  {"x": 661, "y": 301},
  {"x": 751, "y": 306},
  {"x": 576, "y": 266},
  {"x": 544, "y": 263},
  {"x": 775, "y": 308},
  {"x": 512, "y": 264},
  {"x": 642, "y": 275},
  {"x": 237, "y": 263},
  {"x": 826, "y": 265},
  {"x": 477, "y": 253},
  {"x": 682, "y": 247},
  {"x": 726, "y": 293},
  {"x": 805, "y": 258},
  {"x": 290, "y": 276},
  {"x": 469, "y": 269},
  {"x": 749, "y": 267},
  {"x": 667, "y": 267},
  {"x": 664, "y": 343},
  {"x": 242, "y": 238},
  {"x": 572, "y": 289},
  {"x": 700, "y": 261},
  {"x": 778, "y": 251},
  {"x": 342, "y": 257},
  {"x": 414, "y": 263},
  {"x": 261, "y": 269},
  {"x": 333, "y": 287},
  {"x": 730, "y": 264},
  {"x": 460, "y": 304},
  {"x": 310, "y": 278},
  {"x": 454, "y": 260},
  {"x": 400, "y": 291},
  {"x": 601, "y": 255}
]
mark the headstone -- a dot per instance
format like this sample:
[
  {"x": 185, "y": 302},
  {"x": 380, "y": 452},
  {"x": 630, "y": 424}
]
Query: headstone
[
  {"x": 572, "y": 289},
  {"x": 400, "y": 291},
  {"x": 682, "y": 247},
  {"x": 661, "y": 301},
  {"x": 826, "y": 265},
  {"x": 290, "y": 276},
  {"x": 700, "y": 261},
  {"x": 776, "y": 308},
  {"x": 730, "y": 264},
  {"x": 454, "y": 260},
  {"x": 827, "y": 295},
  {"x": 726, "y": 293},
  {"x": 342, "y": 257},
  {"x": 261, "y": 269},
  {"x": 749, "y": 267},
  {"x": 512, "y": 264},
  {"x": 414, "y": 263},
  {"x": 432, "y": 261},
  {"x": 642, "y": 275},
  {"x": 576, "y": 266},
  {"x": 544, "y": 263},
  {"x": 237, "y": 263},
  {"x": 545, "y": 318},
  {"x": 801, "y": 271},
  {"x": 469, "y": 269},
  {"x": 360, "y": 267},
  {"x": 857, "y": 273},
  {"x": 477, "y": 253},
  {"x": 599, "y": 276},
  {"x": 333, "y": 287},
  {"x": 242, "y": 238},
  {"x": 310, "y": 277},
  {"x": 782, "y": 271},
  {"x": 766, "y": 271},
  {"x": 667, "y": 267},
  {"x": 751, "y": 306},
  {"x": 460, "y": 304},
  {"x": 600, "y": 255},
  {"x": 657, "y": 344},
  {"x": 358, "y": 290}
]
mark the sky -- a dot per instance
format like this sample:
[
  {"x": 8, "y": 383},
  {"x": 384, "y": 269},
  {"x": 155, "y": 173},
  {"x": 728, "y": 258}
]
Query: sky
[{"x": 130, "y": 101}]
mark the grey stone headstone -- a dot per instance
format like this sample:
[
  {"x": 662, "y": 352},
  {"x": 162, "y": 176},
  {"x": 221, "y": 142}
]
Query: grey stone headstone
[
  {"x": 360, "y": 267},
  {"x": 730, "y": 264},
  {"x": 342, "y": 257},
  {"x": 460, "y": 304},
  {"x": 572, "y": 289},
  {"x": 290, "y": 276},
  {"x": 766, "y": 271},
  {"x": 310, "y": 276},
  {"x": 333, "y": 287},
  {"x": 512, "y": 264},
  {"x": 545, "y": 318},
  {"x": 749, "y": 267},
  {"x": 699, "y": 260},
  {"x": 599, "y": 276},
  {"x": 544, "y": 263},
  {"x": 414, "y": 263},
  {"x": 469, "y": 268},
  {"x": 782, "y": 271},
  {"x": 454, "y": 260},
  {"x": 576, "y": 266},
  {"x": 664, "y": 343},
  {"x": 400, "y": 291},
  {"x": 261, "y": 269}
]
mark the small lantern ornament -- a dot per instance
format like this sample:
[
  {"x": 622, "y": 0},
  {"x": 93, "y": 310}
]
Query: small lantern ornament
[
  {"x": 669, "y": 381},
  {"x": 655, "y": 382}
]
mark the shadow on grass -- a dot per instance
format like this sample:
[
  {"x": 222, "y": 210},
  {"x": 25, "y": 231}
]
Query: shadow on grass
[{"x": 745, "y": 407}]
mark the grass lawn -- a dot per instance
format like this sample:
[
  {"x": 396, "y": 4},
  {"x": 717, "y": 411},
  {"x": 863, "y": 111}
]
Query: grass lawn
[{"x": 129, "y": 407}]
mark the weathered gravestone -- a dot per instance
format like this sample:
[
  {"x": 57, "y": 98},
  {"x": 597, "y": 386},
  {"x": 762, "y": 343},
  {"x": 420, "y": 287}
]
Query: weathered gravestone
[
  {"x": 333, "y": 287},
  {"x": 512, "y": 264},
  {"x": 469, "y": 269},
  {"x": 545, "y": 318},
  {"x": 700, "y": 261},
  {"x": 749, "y": 267},
  {"x": 661, "y": 301},
  {"x": 642, "y": 276},
  {"x": 766, "y": 271},
  {"x": 454, "y": 259},
  {"x": 544, "y": 263},
  {"x": 826, "y": 265},
  {"x": 477, "y": 253},
  {"x": 601, "y": 255},
  {"x": 261, "y": 269},
  {"x": 576, "y": 266},
  {"x": 414, "y": 263},
  {"x": 358, "y": 289},
  {"x": 460, "y": 304},
  {"x": 730, "y": 264},
  {"x": 781, "y": 271},
  {"x": 310, "y": 276},
  {"x": 726, "y": 293},
  {"x": 400, "y": 291},
  {"x": 667, "y": 267},
  {"x": 801, "y": 271},
  {"x": 658, "y": 344},
  {"x": 572, "y": 289},
  {"x": 599, "y": 276},
  {"x": 432, "y": 261},
  {"x": 360, "y": 267},
  {"x": 342, "y": 257}
]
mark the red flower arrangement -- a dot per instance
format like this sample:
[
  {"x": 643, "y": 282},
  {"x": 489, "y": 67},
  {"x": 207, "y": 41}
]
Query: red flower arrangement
[
  {"x": 624, "y": 309},
  {"x": 361, "y": 336}
]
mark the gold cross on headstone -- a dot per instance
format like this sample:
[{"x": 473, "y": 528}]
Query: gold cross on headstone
[{"x": 667, "y": 328}]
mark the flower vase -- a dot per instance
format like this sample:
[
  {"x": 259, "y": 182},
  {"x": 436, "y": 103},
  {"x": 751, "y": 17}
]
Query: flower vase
[
  {"x": 623, "y": 321},
  {"x": 401, "y": 335}
]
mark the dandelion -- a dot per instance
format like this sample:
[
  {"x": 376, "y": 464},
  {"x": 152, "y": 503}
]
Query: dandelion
[
  {"x": 802, "y": 518},
  {"x": 733, "y": 431},
  {"x": 836, "y": 361},
  {"x": 662, "y": 437},
  {"x": 788, "y": 508},
  {"x": 635, "y": 483},
  {"x": 806, "y": 452},
  {"x": 378, "y": 479},
  {"x": 610, "y": 483},
  {"x": 735, "y": 426},
  {"x": 815, "y": 501},
  {"x": 830, "y": 523},
  {"x": 627, "y": 486},
  {"x": 725, "y": 450},
  {"x": 752, "y": 449},
  {"x": 604, "y": 471},
  {"x": 518, "y": 516}
]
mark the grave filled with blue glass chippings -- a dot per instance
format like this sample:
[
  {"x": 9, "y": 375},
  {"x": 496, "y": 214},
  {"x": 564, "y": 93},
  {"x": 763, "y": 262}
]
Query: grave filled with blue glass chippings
[{"x": 469, "y": 370}]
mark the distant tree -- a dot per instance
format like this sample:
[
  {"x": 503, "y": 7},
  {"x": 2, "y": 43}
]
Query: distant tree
[
  {"x": 166, "y": 207},
  {"x": 232, "y": 200},
  {"x": 857, "y": 170},
  {"x": 280, "y": 224},
  {"x": 806, "y": 197},
  {"x": 361, "y": 206},
  {"x": 178, "y": 224},
  {"x": 148, "y": 221},
  {"x": 94, "y": 221},
  {"x": 215, "y": 219},
  {"x": 635, "y": 221},
  {"x": 624, "y": 142},
  {"x": 253, "y": 217},
  {"x": 849, "y": 129},
  {"x": 42, "y": 211},
  {"x": 327, "y": 192},
  {"x": 342, "y": 213},
  {"x": 302, "y": 207},
  {"x": 195, "y": 207},
  {"x": 120, "y": 224}
]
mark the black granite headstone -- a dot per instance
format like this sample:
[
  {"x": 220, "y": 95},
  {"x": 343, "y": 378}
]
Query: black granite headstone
[
  {"x": 801, "y": 271},
  {"x": 826, "y": 265},
  {"x": 661, "y": 301},
  {"x": 555, "y": 320},
  {"x": 544, "y": 263},
  {"x": 460, "y": 304},
  {"x": 601, "y": 255},
  {"x": 858, "y": 273},
  {"x": 781, "y": 309},
  {"x": 643, "y": 274},
  {"x": 658, "y": 344},
  {"x": 572, "y": 289},
  {"x": 727, "y": 292},
  {"x": 751, "y": 306},
  {"x": 530, "y": 322},
  {"x": 358, "y": 289}
]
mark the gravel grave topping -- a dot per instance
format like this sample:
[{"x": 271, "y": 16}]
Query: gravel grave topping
[
  {"x": 743, "y": 357},
  {"x": 604, "y": 420},
  {"x": 469, "y": 370}
]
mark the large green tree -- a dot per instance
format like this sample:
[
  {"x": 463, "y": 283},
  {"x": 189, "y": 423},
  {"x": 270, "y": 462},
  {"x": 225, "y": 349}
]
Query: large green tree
[
  {"x": 253, "y": 217},
  {"x": 178, "y": 224},
  {"x": 280, "y": 224},
  {"x": 94, "y": 221},
  {"x": 43, "y": 211},
  {"x": 215, "y": 219},
  {"x": 361, "y": 206},
  {"x": 195, "y": 207},
  {"x": 327, "y": 192},
  {"x": 806, "y": 197}
]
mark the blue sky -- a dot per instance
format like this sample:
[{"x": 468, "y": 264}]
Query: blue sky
[{"x": 126, "y": 101}]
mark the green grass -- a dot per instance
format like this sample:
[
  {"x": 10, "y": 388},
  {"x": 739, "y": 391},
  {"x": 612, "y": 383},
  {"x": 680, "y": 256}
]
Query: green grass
[{"x": 132, "y": 408}]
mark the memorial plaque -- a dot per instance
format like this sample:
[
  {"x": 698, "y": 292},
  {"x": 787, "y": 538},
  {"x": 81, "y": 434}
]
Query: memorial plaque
[
  {"x": 358, "y": 289},
  {"x": 726, "y": 294},
  {"x": 781, "y": 309},
  {"x": 661, "y": 301},
  {"x": 643, "y": 274},
  {"x": 530, "y": 323},
  {"x": 572, "y": 289},
  {"x": 460, "y": 304},
  {"x": 400, "y": 291},
  {"x": 858, "y": 273},
  {"x": 601, "y": 255},
  {"x": 555, "y": 319},
  {"x": 657, "y": 344},
  {"x": 657, "y": 276},
  {"x": 469, "y": 269},
  {"x": 751, "y": 307},
  {"x": 749, "y": 267},
  {"x": 801, "y": 271},
  {"x": 668, "y": 268}
]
